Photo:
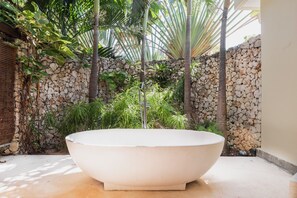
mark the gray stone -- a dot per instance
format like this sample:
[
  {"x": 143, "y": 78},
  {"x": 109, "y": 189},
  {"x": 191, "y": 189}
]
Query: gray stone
[
  {"x": 14, "y": 147},
  {"x": 69, "y": 85},
  {"x": 53, "y": 66},
  {"x": 245, "y": 45},
  {"x": 257, "y": 43},
  {"x": 49, "y": 71}
]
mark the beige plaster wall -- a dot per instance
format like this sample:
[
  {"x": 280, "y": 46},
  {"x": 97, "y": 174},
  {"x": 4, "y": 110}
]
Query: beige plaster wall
[{"x": 279, "y": 78}]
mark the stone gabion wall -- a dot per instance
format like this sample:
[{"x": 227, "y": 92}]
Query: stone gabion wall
[
  {"x": 243, "y": 76},
  {"x": 243, "y": 92},
  {"x": 68, "y": 84}
]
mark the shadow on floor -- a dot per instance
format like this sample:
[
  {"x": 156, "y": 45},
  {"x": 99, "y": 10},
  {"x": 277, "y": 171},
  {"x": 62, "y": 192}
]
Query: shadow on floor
[
  {"x": 62, "y": 179},
  {"x": 94, "y": 188},
  {"x": 57, "y": 176}
]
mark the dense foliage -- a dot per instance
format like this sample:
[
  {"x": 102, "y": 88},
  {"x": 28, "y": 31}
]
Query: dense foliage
[
  {"x": 122, "y": 112},
  {"x": 210, "y": 127},
  {"x": 80, "y": 117},
  {"x": 120, "y": 24},
  {"x": 63, "y": 29},
  {"x": 117, "y": 81},
  {"x": 42, "y": 38}
]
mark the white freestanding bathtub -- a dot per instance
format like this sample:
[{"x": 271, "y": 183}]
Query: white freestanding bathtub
[{"x": 144, "y": 159}]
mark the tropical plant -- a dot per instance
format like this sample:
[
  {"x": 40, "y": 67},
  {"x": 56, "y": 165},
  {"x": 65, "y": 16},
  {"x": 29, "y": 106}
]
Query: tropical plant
[
  {"x": 70, "y": 17},
  {"x": 210, "y": 127},
  {"x": 8, "y": 13},
  {"x": 222, "y": 105},
  {"x": 178, "y": 91},
  {"x": 112, "y": 16},
  {"x": 161, "y": 111},
  {"x": 43, "y": 37},
  {"x": 32, "y": 68},
  {"x": 129, "y": 37},
  {"x": 162, "y": 74},
  {"x": 167, "y": 33},
  {"x": 50, "y": 120},
  {"x": 78, "y": 117},
  {"x": 170, "y": 29},
  {"x": 124, "y": 110},
  {"x": 117, "y": 81},
  {"x": 73, "y": 17},
  {"x": 74, "y": 20}
]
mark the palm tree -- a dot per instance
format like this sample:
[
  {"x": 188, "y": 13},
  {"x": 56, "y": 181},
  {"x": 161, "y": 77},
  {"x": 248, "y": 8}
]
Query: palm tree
[
  {"x": 206, "y": 15},
  {"x": 93, "y": 85},
  {"x": 166, "y": 32},
  {"x": 70, "y": 17},
  {"x": 143, "y": 44},
  {"x": 187, "y": 75},
  {"x": 222, "y": 107}
]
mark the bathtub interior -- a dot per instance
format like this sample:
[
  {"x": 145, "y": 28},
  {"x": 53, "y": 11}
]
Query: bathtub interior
[{"x": 144, "y": 137}]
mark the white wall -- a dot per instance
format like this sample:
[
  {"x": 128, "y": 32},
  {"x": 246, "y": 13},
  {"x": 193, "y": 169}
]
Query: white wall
[{"x": 279, "y": 78}]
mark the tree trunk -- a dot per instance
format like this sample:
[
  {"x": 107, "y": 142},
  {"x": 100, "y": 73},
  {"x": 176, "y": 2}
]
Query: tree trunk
[
  {"x": 187, "y": 75},
  {"x": 93, "y": 86},
  {"x": 222, "y": 106},
  {"x": 144, "y": 27},
  {"x": 142, "y": 73}
]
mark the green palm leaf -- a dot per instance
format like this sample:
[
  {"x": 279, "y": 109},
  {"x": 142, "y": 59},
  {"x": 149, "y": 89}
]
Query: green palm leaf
[{"x": 170, "y": 29}]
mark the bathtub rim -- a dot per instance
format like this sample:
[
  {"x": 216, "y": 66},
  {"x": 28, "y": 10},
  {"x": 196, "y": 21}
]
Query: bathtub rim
[{"x": 68, "y": 138}]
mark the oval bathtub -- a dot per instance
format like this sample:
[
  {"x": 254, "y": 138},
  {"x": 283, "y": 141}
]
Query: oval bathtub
[{"x": 144, "y": 159}]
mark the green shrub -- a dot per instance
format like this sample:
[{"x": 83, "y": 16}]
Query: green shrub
[
  {"x": 161, "y": 110},
  {"x": 80, "y": 117},
  {"x": 178, "y": 91},
  {"x": 210, "y": 127},
  {"x": 50, "y": 120},
  {"x": 117, "y": 80},
  {"x": 162, "y": 75},
  {"x": 124, "y": 111}
]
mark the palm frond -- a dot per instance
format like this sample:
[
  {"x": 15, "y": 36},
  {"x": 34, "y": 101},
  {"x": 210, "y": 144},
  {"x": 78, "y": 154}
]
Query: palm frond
[{"x": 170, "y": 29}]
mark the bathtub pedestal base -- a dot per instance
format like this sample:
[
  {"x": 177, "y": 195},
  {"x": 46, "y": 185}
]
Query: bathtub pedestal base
[{"x": 108, "y": 186}]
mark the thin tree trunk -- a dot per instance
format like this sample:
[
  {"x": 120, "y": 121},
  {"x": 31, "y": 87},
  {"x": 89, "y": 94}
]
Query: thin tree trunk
[
  {"x": 143, "y": 68},
  {"x": 222, "y": 106},
  {"x": 187, "y": 85},
  {"x": 93, "y": 86},
  {"x": 144, "y": 27}
]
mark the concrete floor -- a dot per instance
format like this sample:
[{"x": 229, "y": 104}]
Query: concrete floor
[{"x": 58, "y": 176}]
